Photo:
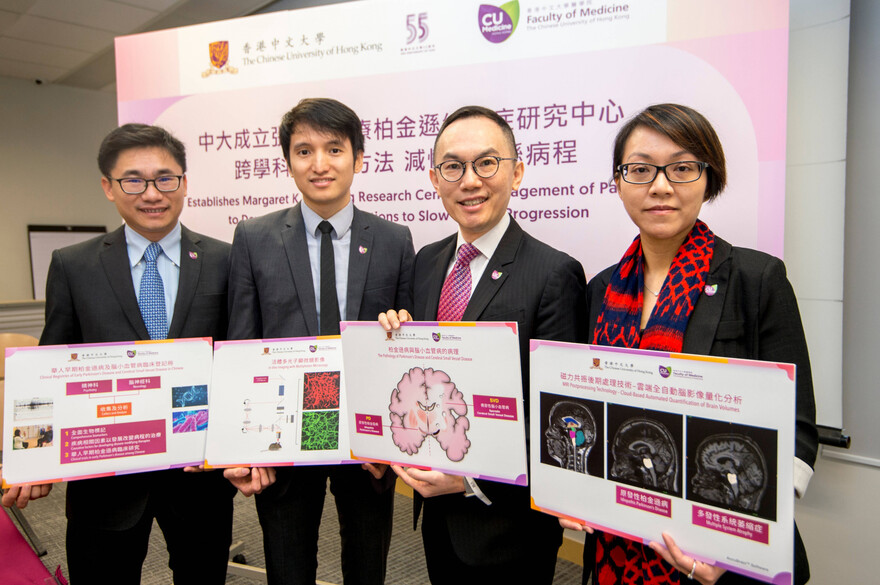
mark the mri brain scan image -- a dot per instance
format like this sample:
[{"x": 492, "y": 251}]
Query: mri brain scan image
[
  {"x": 731, "y": 472},
  {"x": 732, "y": 466},
  {"x": 645, "y": 453},
  {"x": 570, "y": 429},
  {"x": 570, "y": 435}
]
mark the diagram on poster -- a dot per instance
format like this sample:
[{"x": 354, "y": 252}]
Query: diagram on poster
[
  {"x": 444, "y": 397},
  {"x": 638, "y": 442},
  {"x": 77, "y": 411},
  {"x": 426, "y": 404},
  {"x": 279, "y": 402}
]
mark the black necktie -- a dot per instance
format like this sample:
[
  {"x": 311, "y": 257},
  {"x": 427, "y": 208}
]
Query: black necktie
[{"x": 329, "y": 303}]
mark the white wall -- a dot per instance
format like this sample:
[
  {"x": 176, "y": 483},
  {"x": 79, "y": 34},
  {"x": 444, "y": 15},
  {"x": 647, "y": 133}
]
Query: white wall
[
  {"x": 839, "y": 514},
  {"x": 49, "y": 138}
]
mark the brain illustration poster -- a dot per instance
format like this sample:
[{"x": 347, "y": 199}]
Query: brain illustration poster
[
  {"x": 279, "y": 402},
  {"x": 444, "y": 397},
  {"x": 79, "y": 411},
  {"x": 637, "y": 442}
]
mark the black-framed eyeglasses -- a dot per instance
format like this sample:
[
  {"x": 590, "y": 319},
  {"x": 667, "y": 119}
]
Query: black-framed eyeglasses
[
  {"x": 683, "y": 171},
  {"x": 136, "y": 186},
  {"x": 485, "y": 167}
]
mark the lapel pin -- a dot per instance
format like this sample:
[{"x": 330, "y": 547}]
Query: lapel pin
[
  {"x": 362, "y": 250},
  {"x": 194, "y": 255},
  {"x": 711, "y": 289},
  {"x": 496, "y": 275}
]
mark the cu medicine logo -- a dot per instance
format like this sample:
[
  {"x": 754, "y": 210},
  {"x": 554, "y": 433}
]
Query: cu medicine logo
[
  {"x": 497, "y": 23},
  {"x": 665, "y": 371}
]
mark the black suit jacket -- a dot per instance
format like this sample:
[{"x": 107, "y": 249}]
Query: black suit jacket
[
  {"x": 543, "y": 290},
  {"x": 90, "y": 298},
  {"x": 270, "y": 288},
  {"x": 753, "y": 315}
]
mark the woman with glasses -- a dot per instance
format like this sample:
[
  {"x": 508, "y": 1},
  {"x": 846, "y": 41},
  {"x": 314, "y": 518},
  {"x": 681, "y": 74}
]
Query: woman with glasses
[{"x": 681, "y": 288}]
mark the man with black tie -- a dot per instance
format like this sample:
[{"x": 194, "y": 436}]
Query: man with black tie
[
  {"x": 491, "y": 270},
  {"x": 294, "y": 273},
  {"x": 150, "y": 279}
]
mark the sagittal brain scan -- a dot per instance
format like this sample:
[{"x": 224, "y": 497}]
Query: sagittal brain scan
[
  {"x": 645, "y": 448},
  {"x": 571, "y": 427},
  {"x": 732, "y": 466}
]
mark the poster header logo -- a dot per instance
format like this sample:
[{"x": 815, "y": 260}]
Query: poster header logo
[{"x": 497, "y": 23}]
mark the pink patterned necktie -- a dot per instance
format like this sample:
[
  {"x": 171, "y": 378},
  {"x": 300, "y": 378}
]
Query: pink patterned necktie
[{"x": 457, "y": 287}]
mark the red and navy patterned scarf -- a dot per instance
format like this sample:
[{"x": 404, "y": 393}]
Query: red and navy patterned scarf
[
  {"x": 621, "y": 316},
  {"x": 618, "y": 560}
]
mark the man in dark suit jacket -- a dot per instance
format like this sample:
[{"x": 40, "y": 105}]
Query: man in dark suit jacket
[
  {"x": 279, "y": 287},
  {"x": 485, "y": 532},
  {"x": 92, "y": 296}
]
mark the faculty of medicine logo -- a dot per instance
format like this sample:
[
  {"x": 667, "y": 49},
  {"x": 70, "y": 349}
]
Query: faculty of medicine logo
[
  {"x": 131, "y": 353},
  {"x": 497, "y": 23},
  {"x": 219, "y": 52},
  {"x": 665, "y": 372}
]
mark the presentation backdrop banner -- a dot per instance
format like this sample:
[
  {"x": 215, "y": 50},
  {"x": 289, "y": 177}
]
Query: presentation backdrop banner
[{"x": 565, "y": 75}]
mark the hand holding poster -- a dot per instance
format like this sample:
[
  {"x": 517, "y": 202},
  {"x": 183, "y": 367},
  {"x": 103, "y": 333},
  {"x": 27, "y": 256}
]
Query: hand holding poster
[
  {"x": 437, "y": 396},
  {"x": 278, "y": 402},
  {"x": 637, "y": 442},
  {"x": 79, "y": 411}
]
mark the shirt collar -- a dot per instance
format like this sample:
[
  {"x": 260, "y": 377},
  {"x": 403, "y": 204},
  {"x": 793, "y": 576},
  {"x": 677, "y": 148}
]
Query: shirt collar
[
  {"x": 341, "y": 222},
  {"x": 137, "y": 245},
  {"x": 487, "y": 243}
]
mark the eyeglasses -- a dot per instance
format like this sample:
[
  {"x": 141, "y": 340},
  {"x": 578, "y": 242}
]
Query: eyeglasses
[
  {"x": 485, "y": 167},
  {"x": 684, "y": 171},
  {"x": 165, "y": 184}
]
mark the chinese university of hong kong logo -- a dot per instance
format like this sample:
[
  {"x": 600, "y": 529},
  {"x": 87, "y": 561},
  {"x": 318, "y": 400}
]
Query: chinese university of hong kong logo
[
  {"x": 665, "y": 372},
  {"x": 497, "y": 23},
  {"x": 219, "y": 52}
]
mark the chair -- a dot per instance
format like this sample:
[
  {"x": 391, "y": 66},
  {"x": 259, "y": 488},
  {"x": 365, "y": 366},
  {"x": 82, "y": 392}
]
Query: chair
[{"x": 16, "y": 340}]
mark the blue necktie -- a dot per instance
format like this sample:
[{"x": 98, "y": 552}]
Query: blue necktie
[{"x": 152, "y": 297}]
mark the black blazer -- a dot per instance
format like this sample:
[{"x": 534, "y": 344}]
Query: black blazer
[
  {"x": 270, "y": 281},
  {"x": 543, "y": 290},
  {"x": 90, "y": 298},
  {"x": 753, "y": 315}
]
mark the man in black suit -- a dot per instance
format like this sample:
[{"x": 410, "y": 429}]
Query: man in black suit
[
  {"x": 95, "y": 294},
  {"x": 485, "y": 532},
  {"x": 293, "y": 273}
]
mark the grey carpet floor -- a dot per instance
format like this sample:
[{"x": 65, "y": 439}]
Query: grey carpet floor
[{"x": 406, "y": 562}]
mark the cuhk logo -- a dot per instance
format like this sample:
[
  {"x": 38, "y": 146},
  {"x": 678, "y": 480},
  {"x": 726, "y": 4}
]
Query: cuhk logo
[
  {"x": 497, "y": 23},
  {"x": 665, "y": 372},
  {"x": 313, "y": 348},
  {"x": 131, "y": 353},
  {"x": 435, "y": 336}
]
